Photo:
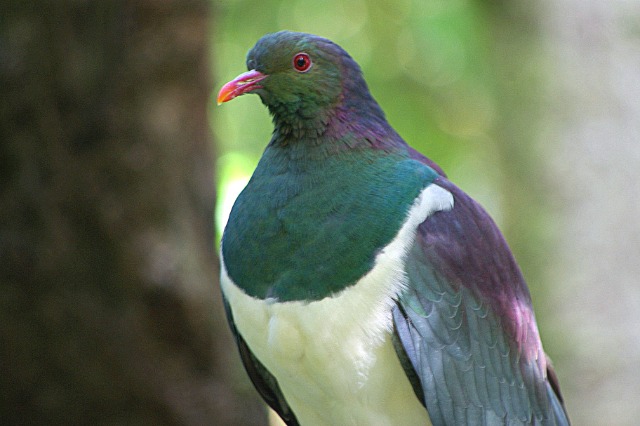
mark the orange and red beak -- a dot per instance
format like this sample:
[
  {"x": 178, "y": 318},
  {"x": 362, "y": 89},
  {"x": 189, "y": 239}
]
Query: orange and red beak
[{"x": 240, "y": 85}]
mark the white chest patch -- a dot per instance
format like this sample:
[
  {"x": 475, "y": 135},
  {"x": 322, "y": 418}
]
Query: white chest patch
[{"x": 333, "y": 358}]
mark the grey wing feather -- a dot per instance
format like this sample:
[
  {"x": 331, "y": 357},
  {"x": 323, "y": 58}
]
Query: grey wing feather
[{"x": 466, "y": 328}]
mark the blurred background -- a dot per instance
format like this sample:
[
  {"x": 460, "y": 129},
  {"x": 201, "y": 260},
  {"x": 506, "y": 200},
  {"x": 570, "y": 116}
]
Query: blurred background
[{"x": 117, "y": 172}]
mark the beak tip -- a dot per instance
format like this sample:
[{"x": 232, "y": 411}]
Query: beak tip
[{"x": 224, "y": 96}]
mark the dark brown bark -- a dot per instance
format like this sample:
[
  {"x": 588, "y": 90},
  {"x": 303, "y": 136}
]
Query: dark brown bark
[{"x": 109, "y": 305}]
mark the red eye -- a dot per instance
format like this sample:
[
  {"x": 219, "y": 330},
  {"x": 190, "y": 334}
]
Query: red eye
[{"x": 301, "y": 62}]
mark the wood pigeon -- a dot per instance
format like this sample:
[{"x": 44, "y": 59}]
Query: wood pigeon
[{"x": 362, "y": 286}]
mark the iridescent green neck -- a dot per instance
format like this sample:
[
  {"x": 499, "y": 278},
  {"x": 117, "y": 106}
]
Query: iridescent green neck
[{"x": 312, "y": 219}]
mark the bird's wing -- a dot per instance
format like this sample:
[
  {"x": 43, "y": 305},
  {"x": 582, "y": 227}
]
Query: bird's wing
[
  {"x": 262, "y": 379},
  {"x": 465, "y": 329}
]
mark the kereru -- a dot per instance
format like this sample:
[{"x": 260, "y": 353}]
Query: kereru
[{"x": 362, "y": 286}]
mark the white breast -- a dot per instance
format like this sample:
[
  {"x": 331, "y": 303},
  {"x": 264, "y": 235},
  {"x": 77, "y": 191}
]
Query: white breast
[{"x": 333, "y": 358}]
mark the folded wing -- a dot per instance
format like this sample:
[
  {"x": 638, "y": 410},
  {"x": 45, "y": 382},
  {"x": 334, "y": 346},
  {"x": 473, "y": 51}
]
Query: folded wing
[{"x": 465, "y": 328}]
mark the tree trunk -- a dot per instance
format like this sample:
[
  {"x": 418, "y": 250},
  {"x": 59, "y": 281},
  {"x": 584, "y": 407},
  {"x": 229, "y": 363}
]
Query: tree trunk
[{"x": 109, "y": 304}]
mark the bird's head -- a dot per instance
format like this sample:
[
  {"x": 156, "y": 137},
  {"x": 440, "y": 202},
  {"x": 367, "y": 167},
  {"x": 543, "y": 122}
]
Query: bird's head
[{"x": 300, "y": 78}]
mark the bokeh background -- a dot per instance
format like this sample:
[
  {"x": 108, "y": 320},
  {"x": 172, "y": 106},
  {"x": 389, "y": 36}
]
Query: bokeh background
[{"x": 113, "y": 156}]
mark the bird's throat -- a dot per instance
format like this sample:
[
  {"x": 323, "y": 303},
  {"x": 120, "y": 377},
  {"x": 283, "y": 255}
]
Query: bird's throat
[{"x": 337, "y": 125}]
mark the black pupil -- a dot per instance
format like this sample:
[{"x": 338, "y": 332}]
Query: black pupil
[{"x": 301, "y": 62}]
